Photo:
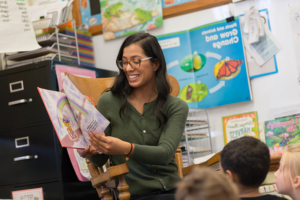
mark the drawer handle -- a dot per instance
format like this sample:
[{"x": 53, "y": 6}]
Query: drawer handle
[
  {"x": 25, "y": 158},
  {"x": 12, "y": 103}
]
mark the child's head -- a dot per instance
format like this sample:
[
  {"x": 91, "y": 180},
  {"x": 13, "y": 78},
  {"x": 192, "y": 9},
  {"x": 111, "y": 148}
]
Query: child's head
[
  {"x": 246, "y": 160},
  {"x": 206, "y": 184},
  {"x": 288, "y": 174}
]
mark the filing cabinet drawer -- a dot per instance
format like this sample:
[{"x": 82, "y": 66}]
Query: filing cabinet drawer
[
  {"x": 51, "y": 191},
  {"x": 20, "y": 102},
  {"x": 28, "y": 155}
]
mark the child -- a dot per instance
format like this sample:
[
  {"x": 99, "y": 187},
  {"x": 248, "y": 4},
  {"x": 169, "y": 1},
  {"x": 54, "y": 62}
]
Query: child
[
  {"x": 246, "y": 161},
  {"x": 288, "y": 174},
  {"x": 206, "y": 184}
]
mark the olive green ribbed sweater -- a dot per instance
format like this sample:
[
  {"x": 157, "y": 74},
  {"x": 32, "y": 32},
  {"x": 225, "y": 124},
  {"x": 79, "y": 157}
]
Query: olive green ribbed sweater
[{"x": 152, "y": 166}]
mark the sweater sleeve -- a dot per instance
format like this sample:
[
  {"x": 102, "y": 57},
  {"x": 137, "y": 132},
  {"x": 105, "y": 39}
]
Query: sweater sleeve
[
  {"x": 100, "y": 159},
  {"x": 169, "y": 139}
]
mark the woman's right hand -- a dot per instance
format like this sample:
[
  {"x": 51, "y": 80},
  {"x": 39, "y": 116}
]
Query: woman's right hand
[{"x": 88, "y": 152}]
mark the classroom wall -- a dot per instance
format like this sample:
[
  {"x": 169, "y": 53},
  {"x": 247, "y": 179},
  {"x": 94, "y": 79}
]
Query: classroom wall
[{"x": 268, "y": 91}]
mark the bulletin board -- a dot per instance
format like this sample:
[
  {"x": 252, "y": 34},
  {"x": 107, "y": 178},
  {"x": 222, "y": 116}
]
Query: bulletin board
[{"x": 269, "y": 92}]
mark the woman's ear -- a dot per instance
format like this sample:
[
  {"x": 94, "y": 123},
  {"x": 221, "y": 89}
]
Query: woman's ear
[
  {"x": 297, "y": 182},
  {"x": 156, "y": 65}
]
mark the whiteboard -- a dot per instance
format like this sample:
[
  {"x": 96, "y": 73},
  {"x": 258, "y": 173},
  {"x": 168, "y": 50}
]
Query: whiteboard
[{"x": 270, "y": 91}]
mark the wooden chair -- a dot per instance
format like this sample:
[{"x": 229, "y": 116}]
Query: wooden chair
[{"x": 94, "y": 87}]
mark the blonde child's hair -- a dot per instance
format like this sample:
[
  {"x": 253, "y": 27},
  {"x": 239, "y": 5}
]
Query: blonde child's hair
[
  {"x": 206, "y": 184},
  {"x": 291, "y": 160}
]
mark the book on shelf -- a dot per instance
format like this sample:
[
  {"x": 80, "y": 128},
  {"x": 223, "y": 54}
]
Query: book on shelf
[{"x": 73, "y": 115}]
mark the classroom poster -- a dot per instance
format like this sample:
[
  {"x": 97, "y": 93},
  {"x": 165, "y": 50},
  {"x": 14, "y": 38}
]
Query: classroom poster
[
  {"x": 240, "y": 125},
  {"x": 90, "y": 11},
  {"x": 169, "y": 3},
  {"x": 209, "y": 64},
  {"x": 281, "y": 133},
  {"x": 125, "y": 17},
  {"x": 270, "y": 67}
]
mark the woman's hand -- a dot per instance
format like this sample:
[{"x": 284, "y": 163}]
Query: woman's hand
[
  {"x": 109, "y": 145},
  {"x": 87, "y": 152}
]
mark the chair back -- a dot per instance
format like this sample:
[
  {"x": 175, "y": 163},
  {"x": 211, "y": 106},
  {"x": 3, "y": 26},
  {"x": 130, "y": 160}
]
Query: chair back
[{"x": 94, "y": 87}]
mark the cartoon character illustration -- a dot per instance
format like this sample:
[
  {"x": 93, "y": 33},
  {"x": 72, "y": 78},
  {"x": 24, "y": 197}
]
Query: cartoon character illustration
[
  {"x": 143, "y": 15},
  {"x": 193, "y": 92},
  {"x": 227, "y": 69},
  {"x": 113, "y": 10},
  {"x": 189, "y": 92},
  {"x": 65, "y": 120},
  {"x": 84, "y": 4},
  {"x": 287, "y": 139},
  {"x": 193, "y": 62},
  {"x": 169, "y": 2},
  {"x": 36, "y": 198},
  {"x": 91, "y": 100}
]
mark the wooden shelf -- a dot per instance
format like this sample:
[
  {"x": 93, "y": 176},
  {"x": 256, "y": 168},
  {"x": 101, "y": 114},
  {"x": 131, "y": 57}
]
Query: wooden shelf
[
  {"x": 169, "y": 12},
  {"x": 274, "y": 164}
]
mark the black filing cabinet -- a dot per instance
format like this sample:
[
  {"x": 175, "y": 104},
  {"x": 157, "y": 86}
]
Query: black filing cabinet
[{"x": 30, "y": 153}]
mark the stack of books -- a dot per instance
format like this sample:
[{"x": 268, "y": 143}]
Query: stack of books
[
  {"x": 49, "y": 42},
  {"x": 84, "y": 39}
]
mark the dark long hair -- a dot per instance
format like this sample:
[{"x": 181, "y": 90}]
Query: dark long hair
[{"x": 121, "y": 87}]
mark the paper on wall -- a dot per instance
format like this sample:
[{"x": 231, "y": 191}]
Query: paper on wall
[
  {"x": 45, "y": 2},
  {"x": 16, "y": 29},
  {"x": 295, "y": 25},
  {"x": 285, "y": 111},
  {"x": 270, "y": 67},
  {"x": 263, "y": 50}
]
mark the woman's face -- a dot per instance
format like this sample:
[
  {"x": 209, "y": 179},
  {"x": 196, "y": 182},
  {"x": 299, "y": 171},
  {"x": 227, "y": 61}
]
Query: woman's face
[
  {"x": 143, "y": 75},
  {"x": 283, "y": 182}
]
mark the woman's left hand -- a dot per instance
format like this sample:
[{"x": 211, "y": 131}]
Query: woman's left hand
[{"x": 109, "y": 145}]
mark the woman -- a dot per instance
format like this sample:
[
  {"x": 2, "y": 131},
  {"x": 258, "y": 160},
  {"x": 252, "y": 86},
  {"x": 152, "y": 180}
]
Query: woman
[{"x": 146, "y": 123}]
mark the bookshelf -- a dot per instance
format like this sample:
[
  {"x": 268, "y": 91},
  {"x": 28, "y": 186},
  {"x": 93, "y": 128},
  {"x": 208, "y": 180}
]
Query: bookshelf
[{"x": 196, "y": 140}]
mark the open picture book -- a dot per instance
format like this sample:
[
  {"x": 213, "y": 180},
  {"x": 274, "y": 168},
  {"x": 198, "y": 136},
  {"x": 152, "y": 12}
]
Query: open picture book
[{"x": 73, "y": 115}]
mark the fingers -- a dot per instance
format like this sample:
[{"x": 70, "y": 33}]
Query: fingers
[
  {"x": 95, "y": 136},
  {"x": 96, "y": 140}
]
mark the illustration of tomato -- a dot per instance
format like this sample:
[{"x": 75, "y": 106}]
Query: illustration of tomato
[
  {"x": 169, "y": 2},
  {"x": 84, "y": 4}
]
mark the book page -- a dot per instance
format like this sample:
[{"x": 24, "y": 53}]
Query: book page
[
  {"x": 179, "y": 58},
  {"x": 63, "y": 119},
  {"x": 88, "y": 117},
  {"x": 16, "y": 29}
]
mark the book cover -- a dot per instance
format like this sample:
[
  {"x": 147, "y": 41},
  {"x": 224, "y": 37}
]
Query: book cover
[
  {"x": 281, "y": 133},
  {"x": 209, "y": 64},
  {"x": 78, "y": 163},
  {"x": 30, "y": 194},
  {"x": 73, "y": 115},
  {"x": 240, "y": 125}
]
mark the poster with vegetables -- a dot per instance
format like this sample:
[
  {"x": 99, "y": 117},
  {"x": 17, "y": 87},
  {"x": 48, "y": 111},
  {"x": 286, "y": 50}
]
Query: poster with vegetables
[
  {"x": 125, "y": 17},
  {"x": 209, "y": 64},
  {"x": 281, "y": 133},
  {"x": 240, "y": 125}
]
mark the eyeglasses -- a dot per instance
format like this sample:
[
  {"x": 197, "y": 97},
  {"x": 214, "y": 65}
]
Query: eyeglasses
[{"x": 135, "y": 63}]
